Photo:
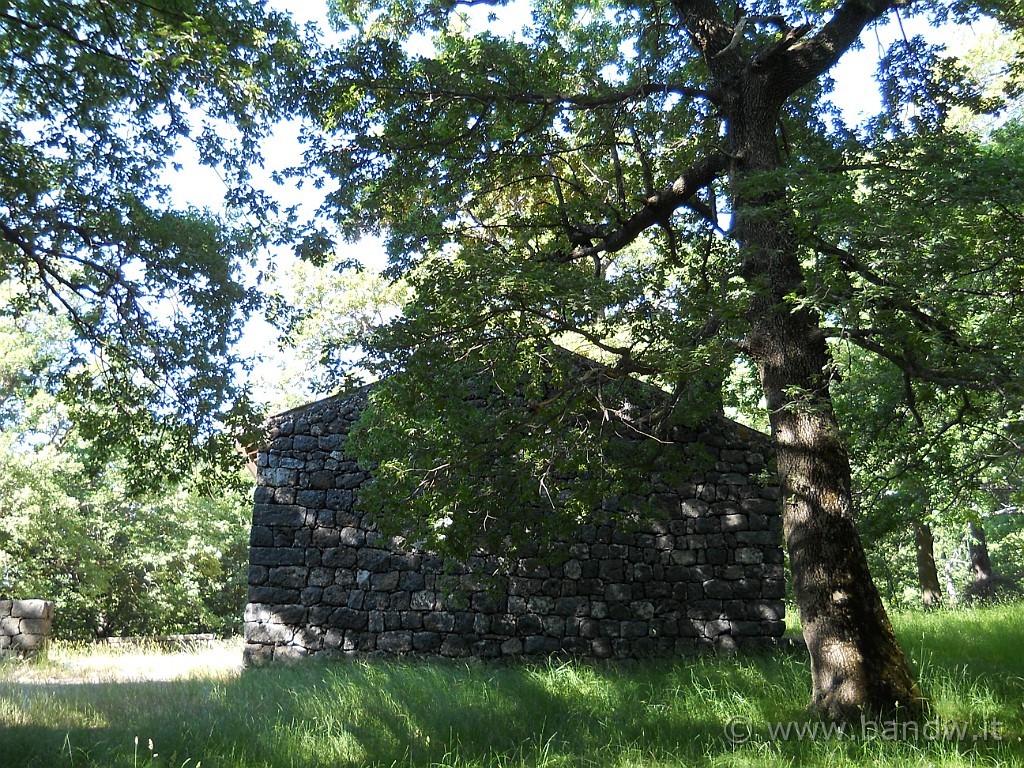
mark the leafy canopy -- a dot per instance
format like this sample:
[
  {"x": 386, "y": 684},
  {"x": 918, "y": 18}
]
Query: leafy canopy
[
  {"x": 95, "y": 100},
  {"x": 76, "y": 528}
]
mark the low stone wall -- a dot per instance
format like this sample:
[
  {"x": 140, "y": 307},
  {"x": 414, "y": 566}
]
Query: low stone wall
[
  {"x": 707, "y": 573},
  {"x": 25, "y": 625}
]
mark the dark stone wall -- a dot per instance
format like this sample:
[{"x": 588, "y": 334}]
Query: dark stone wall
[
  {"x": 25, "y": 625},
  {"x": 707, "y": 574}
]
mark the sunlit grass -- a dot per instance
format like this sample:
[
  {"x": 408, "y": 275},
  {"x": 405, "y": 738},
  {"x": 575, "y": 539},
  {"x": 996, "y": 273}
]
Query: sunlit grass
[
  {"x": 86, "y": 707},
  {"x": 141, "y": 661}
]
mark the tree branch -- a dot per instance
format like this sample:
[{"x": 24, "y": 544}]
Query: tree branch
[
  {"x": 66, "y": 34},
  {"x": 708, "y": 30},
  {"x": 658, "y": 209},
  {"x": 850, "y": 263},
  {"x": 911, "y": 366},
  {"x": 737, "y": 33},
  {"x": 808, "y": 59},
  {"x": 604, "y": 98}
]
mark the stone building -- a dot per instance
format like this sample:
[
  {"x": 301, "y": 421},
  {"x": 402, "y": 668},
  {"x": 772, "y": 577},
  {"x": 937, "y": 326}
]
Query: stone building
[{"x": 706, "y": 572}]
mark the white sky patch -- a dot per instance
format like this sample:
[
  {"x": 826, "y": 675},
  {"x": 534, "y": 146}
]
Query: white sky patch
[{"x": 856, "y": 92}]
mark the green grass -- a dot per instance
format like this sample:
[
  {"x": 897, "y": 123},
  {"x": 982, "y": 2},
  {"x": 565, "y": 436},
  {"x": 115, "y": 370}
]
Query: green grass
[{"x": 663, "y": 713}]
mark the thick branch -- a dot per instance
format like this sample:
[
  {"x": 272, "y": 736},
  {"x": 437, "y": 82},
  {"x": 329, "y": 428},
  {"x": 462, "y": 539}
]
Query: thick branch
[
  {"x": 708, "y": 30},
  {"x": 659, "y": 207},
  {"x": 810, "y": 58},
  {"x": 737, "y": 32}
]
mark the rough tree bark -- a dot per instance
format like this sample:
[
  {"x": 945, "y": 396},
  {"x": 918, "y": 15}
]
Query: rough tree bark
[
  {"x": 857, "y": 663},
  {"x": 927, "y": 573}
]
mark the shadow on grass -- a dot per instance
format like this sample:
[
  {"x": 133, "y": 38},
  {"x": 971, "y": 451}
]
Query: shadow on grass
[
  {"x": 347, "y": 714},
  {"x": 362, "y": 713}
]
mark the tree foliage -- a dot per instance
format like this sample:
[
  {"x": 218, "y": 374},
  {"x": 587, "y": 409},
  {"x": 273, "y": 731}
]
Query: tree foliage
[
  {"x": 118, "y": 564},
  {"x": 324, "y": 314},
  {"x": 75, "y": 528},
  {"x": 96, "y": 99},
  {"x": 515, "y": 175},
  {"x": 930, "y": 396}
]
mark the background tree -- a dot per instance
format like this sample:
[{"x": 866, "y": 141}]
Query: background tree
[
  {"x": 928, "y": 453},
  {"x": 116, "y": 563},
  {"x": 73, "y": 528},
  {"x": 926, "y": 463},
  {"x": 519, "y": 176},
  {"x": 323, "y": 313}
]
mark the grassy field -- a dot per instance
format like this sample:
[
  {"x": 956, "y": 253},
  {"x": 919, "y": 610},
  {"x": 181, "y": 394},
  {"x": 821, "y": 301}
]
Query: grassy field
[{"x": 86, "y": 707}]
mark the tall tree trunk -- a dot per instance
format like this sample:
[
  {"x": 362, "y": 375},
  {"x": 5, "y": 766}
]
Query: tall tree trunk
[
  {"x": 927, "y": 573},
  {"x": 982, "y": 577},
  {"x": 857, "y": 663}
]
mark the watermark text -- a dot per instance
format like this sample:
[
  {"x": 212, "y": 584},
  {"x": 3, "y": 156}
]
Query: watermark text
[{"x": 740, "y": 730}]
